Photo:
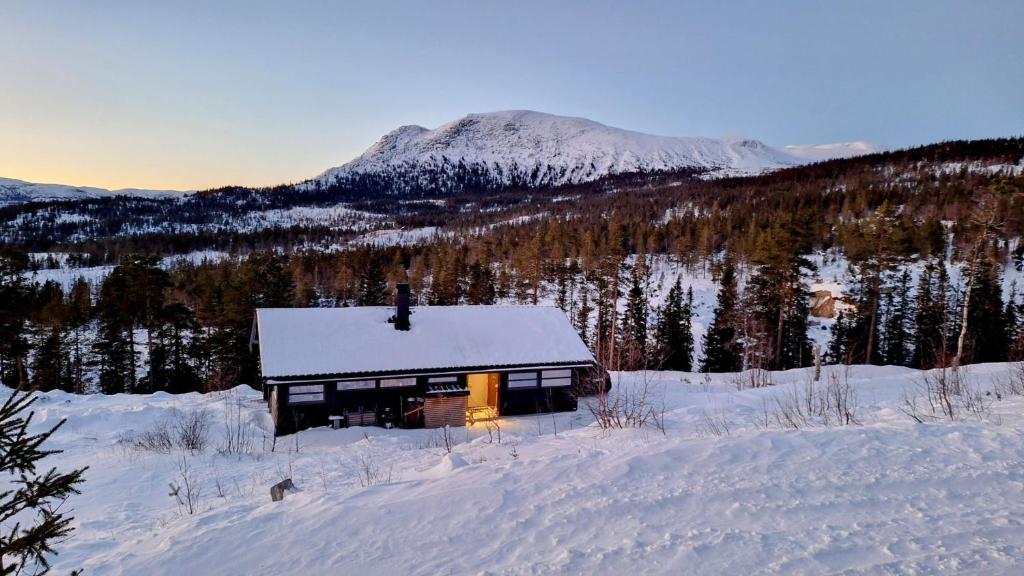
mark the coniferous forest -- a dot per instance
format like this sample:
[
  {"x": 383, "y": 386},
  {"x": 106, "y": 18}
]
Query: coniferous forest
[{"x": 929, "y": 238}]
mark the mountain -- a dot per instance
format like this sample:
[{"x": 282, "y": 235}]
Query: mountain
[
  {"x": 18, "y": 192},
  {"x": 820, "y": 152},
  {"x": 521, "y": 147},
  {"x": 515, "y": 148}
]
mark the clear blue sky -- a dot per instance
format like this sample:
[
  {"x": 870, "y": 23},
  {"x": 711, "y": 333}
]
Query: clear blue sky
[{"x": 196, "y": 94}]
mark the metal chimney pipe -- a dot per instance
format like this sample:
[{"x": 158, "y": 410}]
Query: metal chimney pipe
[{"x": 402, "y": 305}]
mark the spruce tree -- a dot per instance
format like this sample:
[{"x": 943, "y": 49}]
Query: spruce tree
[
  {"x": 673, "y": 334},
  {"x": 987, "y": 338},
  {"x": 581, "y": 320},
  {"x": 30, "y": 501},
  {"x": 929, "y": 319},
  {"x": 633, "y": 343},
  {"x": 14, "y": 312},
  {"x": 897, "y": 332},
  {"x": 723, "y": 350},
  {"x": 481, "y": 284},
  {"x": 373, "y": 286}
]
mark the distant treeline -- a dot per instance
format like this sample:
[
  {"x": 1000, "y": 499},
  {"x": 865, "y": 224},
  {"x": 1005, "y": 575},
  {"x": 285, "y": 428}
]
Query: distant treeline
[{"x": 184, "y": 328}]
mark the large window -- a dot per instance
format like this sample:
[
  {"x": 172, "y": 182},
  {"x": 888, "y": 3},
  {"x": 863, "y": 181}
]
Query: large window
[
  {"x": 356, "y": 384},
  {"x": 306, "y": 394},
  {"x": 522, "y": 380},
  {"x": 552, "y": 378}
]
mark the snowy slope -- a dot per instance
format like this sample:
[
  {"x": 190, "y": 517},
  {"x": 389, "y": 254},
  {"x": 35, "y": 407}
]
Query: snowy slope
[
  {"x": 545, "y": 149},
  {"x": 18, "y": 191},
  {"x": 820, "y": 152},
  {"x": 555, "y": 495}
]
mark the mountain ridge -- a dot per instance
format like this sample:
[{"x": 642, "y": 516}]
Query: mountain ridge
[
  {"x": 511, "y": 148},
  {"x": 555, "y": 150}
]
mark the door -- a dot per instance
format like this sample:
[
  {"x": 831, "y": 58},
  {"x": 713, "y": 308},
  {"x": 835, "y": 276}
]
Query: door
[{"x": 479, "y": 386}]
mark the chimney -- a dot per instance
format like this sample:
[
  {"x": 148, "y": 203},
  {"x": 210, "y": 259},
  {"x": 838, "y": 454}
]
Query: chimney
[{"x": 402, "y": 303}]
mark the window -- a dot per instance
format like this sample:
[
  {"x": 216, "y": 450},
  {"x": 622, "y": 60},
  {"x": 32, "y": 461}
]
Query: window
[
  {"x": 522, "y": 380},
  {"x": 306, "y": 394},
  {"x": 551, "y": 378},
  {"x": 443, "y": 380},
  {"x": 397, "y": 382},
  {"x": 356, "y": 384}
]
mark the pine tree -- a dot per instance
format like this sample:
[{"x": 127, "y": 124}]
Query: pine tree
[
  {"x": 79, "y": 315},
  {"x": 673, "y": 334},
  {"x": 481, "y": 284},
  {"x": 581, "y": 320},
  {"x": 987, "y": 338},
  {"x": 723, "y": 350},
  {"x": 777, "y": 300},
  {"x": 14, "y": 312},
  {"x": 373, "y": 287},
  {"x": 897, "y": 332},
  {"x": 633, "y": 344},
  {"x": 30, "y": 501},
  {"x": 929, "y": 318}
]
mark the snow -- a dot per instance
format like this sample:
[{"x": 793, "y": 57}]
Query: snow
[
  {"x": 821, "y": 152},
  {"x": 558, "y": 150},
  {"x": 67, "y": 276},
  {"x": 398, "y": 236},
  {"x": 307, "y": 341},
  {"x": 556, "y": 495},
  {"x": 14, "y": 191}
]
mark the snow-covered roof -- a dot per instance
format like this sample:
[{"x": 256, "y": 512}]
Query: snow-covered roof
[{"x": 332, "y": 341}]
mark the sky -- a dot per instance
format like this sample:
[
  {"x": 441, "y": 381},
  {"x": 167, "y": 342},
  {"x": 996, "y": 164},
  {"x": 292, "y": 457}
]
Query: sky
[{"x": 191, "y": 95}]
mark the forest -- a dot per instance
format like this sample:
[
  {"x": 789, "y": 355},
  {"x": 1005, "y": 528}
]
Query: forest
[{"x": 953, "y": 210}]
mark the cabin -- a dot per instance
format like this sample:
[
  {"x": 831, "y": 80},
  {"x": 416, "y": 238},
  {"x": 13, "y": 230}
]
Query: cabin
[{"x": 428, "y": 366}]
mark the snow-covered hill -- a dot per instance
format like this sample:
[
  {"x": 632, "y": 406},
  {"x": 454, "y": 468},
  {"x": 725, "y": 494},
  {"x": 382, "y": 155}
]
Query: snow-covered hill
[
  {"x": 820, "y": 152},
  {"x": 18, "y": 192},
  {"x": 726, "y": 489},
  {"x": 523, "y": 147}
]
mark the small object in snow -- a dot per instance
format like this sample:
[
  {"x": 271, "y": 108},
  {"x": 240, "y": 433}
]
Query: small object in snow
[
  {"x": 277, "y": 491},
  {"x": 338, "y": 421}
]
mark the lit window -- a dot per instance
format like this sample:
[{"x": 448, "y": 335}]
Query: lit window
[
  {"x": 552, "y": 378},
  {"x": 356, "y": 384},
  {"x": 522, "y": 380},
  {"x": 443, "y": 380},
  {"x": 306, "y": 394},
  {"x": 397, "y": 382}
]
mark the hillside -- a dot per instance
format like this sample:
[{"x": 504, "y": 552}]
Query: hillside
[
  {"x": 728, "y": 487},
  {"x": 19, "y": 192}
]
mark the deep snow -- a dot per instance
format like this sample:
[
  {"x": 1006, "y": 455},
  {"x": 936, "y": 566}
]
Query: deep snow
[{"x": 558, "y": 495}]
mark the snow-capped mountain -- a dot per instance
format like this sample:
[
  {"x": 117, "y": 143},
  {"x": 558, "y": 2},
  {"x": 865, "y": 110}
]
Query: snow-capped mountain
[
  {"x": 820, "y": 152},
  {"x": 18, "y": 192},
  {"x": 521, "y": 147},
  {"x": 517, "y": 148}
]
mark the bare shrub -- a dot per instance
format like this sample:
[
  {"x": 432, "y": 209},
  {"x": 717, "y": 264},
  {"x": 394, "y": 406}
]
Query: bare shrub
[
  {"x": 186, "y": 490},
  {"x": 714, "y": 424},
  {"x": 753, "y": 378},
  {"x": 447, "y": 438},
  {"x": 157, "y": 439},
  {"x": 629, "y": 406},
  {"x": 944, "y": 394},
  {"x": 833, "y": 403},
  {"x": 372, "y": 473},
  {"x": 191, "y": 429},
  {"x": 239, "y": 436},
  {"x": 1013, "y": 383}
]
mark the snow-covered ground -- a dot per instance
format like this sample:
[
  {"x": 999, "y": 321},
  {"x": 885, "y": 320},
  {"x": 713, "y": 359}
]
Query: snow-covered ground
[{"x": 556, "y": 494}]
